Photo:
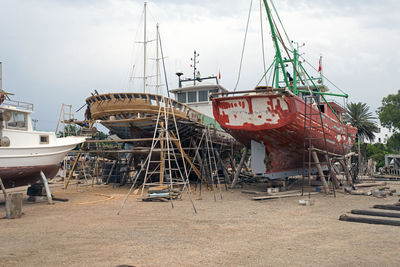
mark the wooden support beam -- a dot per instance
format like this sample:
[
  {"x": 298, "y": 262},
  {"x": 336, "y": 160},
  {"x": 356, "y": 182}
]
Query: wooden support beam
[
  {"x": 196, "y": 171},
  {"x": 162, "y": 163},
  {"x": 124, "y": 140},
  {"x": 320, "y": 171},
  {"x": 221, "y": 164},
  {"x": 239, "y": 168},
  {"x": 325, "y": 152},
  {"x": 47, "y": 188},
  {"x": 346, "y": 171},
  {"x": 111, "y": 170}
]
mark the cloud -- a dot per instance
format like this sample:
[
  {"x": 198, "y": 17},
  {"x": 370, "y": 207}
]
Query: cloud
[{"x": 58, "y": 52}]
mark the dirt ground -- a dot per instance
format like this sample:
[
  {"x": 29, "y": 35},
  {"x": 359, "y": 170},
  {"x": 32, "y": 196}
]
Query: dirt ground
[{"x": 235, "y": 231}]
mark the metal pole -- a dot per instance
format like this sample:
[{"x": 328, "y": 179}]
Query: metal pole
[
  {"x": 46, "y": 186},
  {"x": 144, "y": 49},
  {"x": 157, "y": 63}
]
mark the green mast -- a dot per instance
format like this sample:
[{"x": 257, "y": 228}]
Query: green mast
[{"x": 278, "y": 51}]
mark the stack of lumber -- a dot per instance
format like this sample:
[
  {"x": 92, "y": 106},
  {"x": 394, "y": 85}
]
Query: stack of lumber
[
  {"x": 377, "y": 189},
  {"x": 276, "y": 195},
  {"x": 381, "y": 214},
  {"x": 161, "y": 193}
]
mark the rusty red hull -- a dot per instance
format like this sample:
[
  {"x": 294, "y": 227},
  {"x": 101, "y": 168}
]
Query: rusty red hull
[
  {"x": 20, "y": 176},
  {"x": 277, "y": 121}
]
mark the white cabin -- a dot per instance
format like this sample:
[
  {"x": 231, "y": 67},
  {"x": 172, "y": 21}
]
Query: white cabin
[{"x": 198, "y": 96}]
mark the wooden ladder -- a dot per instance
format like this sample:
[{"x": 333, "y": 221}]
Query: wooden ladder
[{"x": 313, "y": 121}]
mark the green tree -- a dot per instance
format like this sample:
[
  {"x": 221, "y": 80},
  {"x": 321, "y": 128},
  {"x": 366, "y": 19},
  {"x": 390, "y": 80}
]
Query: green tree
[
  {"x": 393, "y": 143},
  {"x": 389, "y": 112},
  {"x": 358, "y": 115},
  {"x": 377, "y": 152},
  {"x": 70, "y": 130}
]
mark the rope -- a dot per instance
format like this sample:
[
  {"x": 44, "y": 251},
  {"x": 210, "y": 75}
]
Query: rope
[{"x": 244, "y": 44}]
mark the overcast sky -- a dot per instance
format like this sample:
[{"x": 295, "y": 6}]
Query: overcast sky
[{"x": 59, "y": 51}]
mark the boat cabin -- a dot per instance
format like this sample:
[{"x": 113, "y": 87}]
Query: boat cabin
[
  {"x": 197, "y": 96},
  {"x": 339, "y": 109},
  {"x": 16, "y": 116},
  {"x": 16, "y": 128}
]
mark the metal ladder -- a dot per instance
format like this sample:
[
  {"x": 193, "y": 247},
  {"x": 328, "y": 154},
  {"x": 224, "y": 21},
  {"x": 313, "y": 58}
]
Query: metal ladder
[{"x": 168, "y": 167}]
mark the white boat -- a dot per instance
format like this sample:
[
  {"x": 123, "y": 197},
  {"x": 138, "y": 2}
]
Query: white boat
[{"x": 25, "y": 152}]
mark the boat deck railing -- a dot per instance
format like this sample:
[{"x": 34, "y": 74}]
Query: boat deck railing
[
  {"x": 256, "y": 90},
  {"x": 18, "y": 104},
  {"x": 151, "y": 99}
]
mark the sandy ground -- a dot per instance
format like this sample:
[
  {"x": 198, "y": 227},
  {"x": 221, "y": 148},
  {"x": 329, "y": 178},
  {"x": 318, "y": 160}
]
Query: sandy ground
[{"x": 235, "y": 231}]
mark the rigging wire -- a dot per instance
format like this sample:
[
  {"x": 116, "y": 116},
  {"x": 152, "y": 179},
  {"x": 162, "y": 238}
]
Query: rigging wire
[
  {"x": 162, "y": 57},
  {"x": 308, "y": 63},
  {"x": 287, "y": 36},
  {"x": 262, "y": 43},
  {"x": 291, "y": 46},
  {"x": 134, "y": 55},
  {"x": 244, "y": 44}
]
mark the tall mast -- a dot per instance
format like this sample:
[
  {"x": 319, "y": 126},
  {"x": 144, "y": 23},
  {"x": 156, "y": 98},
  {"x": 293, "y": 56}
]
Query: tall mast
[
  {"x": 278, "y": 51},
  {"x": 144, "y": 49},
  {"x": 157, "y": 62},
  {"x": 1, "y": 77}
]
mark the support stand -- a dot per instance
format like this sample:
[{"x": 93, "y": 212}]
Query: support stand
[{"x": 46, "y": 186}]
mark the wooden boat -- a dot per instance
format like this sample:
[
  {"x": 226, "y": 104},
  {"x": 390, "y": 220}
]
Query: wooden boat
[
  {"x": 134, "y": 115},
  {"x": 274, "y": 116},
  {"x": 25, "y": 152}
]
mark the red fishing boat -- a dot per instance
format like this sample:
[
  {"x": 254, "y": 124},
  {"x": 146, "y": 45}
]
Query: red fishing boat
[{"x": 281, "y": 117}]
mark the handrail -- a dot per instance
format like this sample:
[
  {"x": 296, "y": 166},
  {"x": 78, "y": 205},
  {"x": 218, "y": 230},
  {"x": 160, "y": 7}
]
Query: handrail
[
  {"x": 248, "y": 91},
  {"x": 18, "y": 104}
]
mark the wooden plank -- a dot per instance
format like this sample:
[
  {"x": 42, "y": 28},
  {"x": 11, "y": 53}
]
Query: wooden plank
[
  {"x": 281, "y": 196},
  {"x": 370, "y": 184}
]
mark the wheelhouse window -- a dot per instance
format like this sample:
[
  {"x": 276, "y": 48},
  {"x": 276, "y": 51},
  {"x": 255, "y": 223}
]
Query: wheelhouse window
[
  {"x": 203, "y": 96},
  {"x": 18, "y": 121},
  {"x": 182, "y": 97},
  {"x": 44, "y": 139},
  {"x": 213, "y": 91},
  {"x": 192, "y": 97}
]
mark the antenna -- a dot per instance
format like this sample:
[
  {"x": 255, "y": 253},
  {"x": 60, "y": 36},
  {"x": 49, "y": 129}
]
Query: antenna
[{"x": 195, "y": 55}]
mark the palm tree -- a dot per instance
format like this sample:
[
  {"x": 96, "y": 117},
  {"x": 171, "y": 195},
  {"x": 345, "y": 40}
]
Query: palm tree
[{"x": 358, "y": 115}]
